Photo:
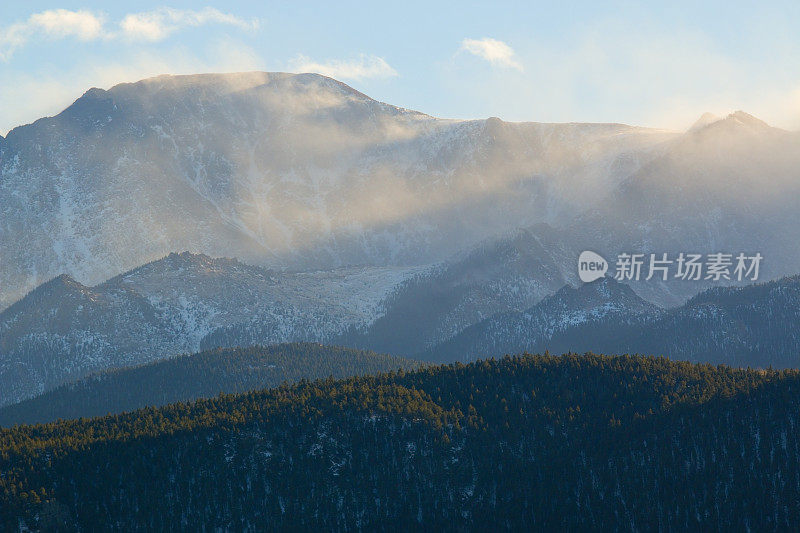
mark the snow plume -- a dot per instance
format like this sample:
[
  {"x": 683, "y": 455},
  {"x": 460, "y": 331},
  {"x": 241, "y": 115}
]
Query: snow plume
[
  {"x": 158, "y": 24},
  {"x": 363, "y": 67}
]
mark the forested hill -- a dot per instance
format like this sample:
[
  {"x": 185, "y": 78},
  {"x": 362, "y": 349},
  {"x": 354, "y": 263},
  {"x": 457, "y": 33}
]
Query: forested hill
[
  {"x": 200, "y": 375},
  {"x": 530, "y": 442}
]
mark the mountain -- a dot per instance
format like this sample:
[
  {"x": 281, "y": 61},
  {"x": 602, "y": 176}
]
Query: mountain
[
  {"x": 201, "y": 375},
  {"x": 63, "y": 330},
  {"x": 752, "y": 326},
  {"x": 187, "y": 302},
  {"x": 498, "y": 275},
  {"x": 500, "y": 297},
  {"x": 572, "y": 319},
  {"x": 704, "y": 120},
  {"x": 730, "y": 186},
  {"x": 282, "y": 170},
  {"x": 572, "y": 443},
  {"x": 302, "y": 172}
]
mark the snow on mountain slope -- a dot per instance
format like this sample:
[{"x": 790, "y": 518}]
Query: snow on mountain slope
[
  {"x": 283, "y": 170},
  {"x": 498, "y": 275},
  {"x": 64, "y": 330},
  {"x": 753, "y": 326},
  {"x": 198, "y": 294},
  {"x": 570, "y": 312}
]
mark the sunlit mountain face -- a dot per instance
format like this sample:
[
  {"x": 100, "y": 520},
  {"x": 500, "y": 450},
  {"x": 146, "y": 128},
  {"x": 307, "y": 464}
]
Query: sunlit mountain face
[
  {"x": 288, "y": 171},
  {"x": 304, "y": 172}
]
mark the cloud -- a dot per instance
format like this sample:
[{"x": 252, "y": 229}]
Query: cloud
[
  {"x": 494, "y": 51},
  {"x": 649, "y": 76},
  {"x": 60, "y": 23},
  {"x": 86, "y": 25},
  {"x": 158, "y": 24},
  {"x": 364, "y": 67},
  {"x": 53, "y": 24}
]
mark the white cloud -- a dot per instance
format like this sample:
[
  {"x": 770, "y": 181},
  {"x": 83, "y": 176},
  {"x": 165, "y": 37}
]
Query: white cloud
[
  {"x": 60, "y": 23},
  {"x": 158, "y": 24},
  {"x": 494, "y": 51},
  {"x": 53, "y": 24},
  {"x": 642, "y": 76},
  {"x": 364, "y": 67},
  {"x": 86, "y": 25}
]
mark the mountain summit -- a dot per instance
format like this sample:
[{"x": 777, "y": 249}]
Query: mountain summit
[
  {"x": 735, "y": 119},
  {"x": 704, "y": 120},
  {"x": 747, "y": 119}
]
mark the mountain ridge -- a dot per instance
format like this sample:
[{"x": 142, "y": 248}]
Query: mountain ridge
[
  {"x": 751, "y": 325},
  {"x": 64, "y": 330},
  {"x": 188, "y": 377}
]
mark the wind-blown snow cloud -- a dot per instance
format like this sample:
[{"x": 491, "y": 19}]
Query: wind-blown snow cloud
[
  {"x": 495, "y": 52},
  {"x": 160, "y": 23},
  {"x": 84, "y": 25},
  {"x": 364, "y": 67}
]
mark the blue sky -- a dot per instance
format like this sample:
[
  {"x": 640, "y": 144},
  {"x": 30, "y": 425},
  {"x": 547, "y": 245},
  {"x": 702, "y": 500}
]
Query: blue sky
[{"x": 659, "y": 65}]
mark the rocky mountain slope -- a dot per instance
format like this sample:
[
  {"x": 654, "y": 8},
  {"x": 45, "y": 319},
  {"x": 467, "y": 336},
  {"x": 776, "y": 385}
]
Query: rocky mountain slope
[
  {"x": 571, "y": 319},
  {"x": 282, "y": 170},
  {"x": 752, "y": 326},
  {"x": 496, "y": 276},
  {"x": 64, "y": 330}
]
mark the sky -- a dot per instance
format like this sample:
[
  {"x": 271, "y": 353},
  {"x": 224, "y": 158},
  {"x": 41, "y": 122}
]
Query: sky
[{"x": 656, "y": 64}]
